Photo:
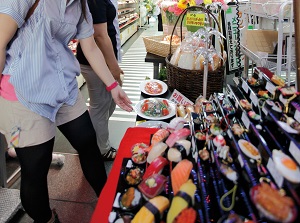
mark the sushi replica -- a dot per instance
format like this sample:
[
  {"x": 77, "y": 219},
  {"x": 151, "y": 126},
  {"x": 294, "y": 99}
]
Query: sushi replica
[{"x": 187, "y": 176}]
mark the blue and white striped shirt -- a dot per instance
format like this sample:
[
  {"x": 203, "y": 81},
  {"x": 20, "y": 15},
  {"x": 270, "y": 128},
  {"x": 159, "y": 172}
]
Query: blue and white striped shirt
[{"x": 43, "y": 69}]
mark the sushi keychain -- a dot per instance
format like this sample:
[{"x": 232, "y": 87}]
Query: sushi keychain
[{"x": 231, "y": 175}]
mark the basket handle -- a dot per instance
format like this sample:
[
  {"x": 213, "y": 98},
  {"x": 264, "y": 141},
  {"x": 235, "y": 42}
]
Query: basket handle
[{"x": 182, "y": 14}]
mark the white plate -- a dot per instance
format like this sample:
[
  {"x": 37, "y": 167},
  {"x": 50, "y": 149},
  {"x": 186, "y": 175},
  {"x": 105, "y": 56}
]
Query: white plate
[
  {"x": 143, "y": 84},
  {"x": 287, "y": 128},
  {"x": 172, "y": 109},
  {"x": 154, "y": 124},
  {"x": 246, "y": 151}
]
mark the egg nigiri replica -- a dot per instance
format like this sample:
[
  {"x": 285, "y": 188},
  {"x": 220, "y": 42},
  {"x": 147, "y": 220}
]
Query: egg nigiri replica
[
  {"x": 152, "y": 210},
  {"x": 182, "y": 200},
  {"x": 286, "y": 166}
]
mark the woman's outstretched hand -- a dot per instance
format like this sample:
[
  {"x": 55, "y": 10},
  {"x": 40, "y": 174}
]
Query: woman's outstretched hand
[{"x": 121, "y": 99}]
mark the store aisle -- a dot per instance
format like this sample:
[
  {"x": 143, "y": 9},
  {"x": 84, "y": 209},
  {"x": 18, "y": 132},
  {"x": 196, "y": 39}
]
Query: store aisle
[{"x": 136, "y": 70}]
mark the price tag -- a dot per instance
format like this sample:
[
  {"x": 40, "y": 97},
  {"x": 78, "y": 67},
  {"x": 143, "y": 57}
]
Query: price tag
[
  {"x": 195, "y": 19},
  {"x": 278, "y": 178},
  {"x": 229, "y": 133},
  {"x": 295, "y": 151},
  {"x": 179, "y": 98},
  {"x": 245, "y": 86},
  {"x": 297, "y": 116},
  {"x": 236, "y": 104},
  {"x": 246, "y": 120},
  {"x": 265, "y": 111},
  {"x": 270, "y": 88},
  {"x": 240, "y": 159},
  {"x": 254, "y": 99}
]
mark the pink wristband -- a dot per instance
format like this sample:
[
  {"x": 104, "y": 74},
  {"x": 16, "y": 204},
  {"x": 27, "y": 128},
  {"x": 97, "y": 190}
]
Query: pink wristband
[{"x": 112, "y": 86}]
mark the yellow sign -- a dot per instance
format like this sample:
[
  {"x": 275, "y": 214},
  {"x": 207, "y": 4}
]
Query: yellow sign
[{"x": 195, "y": 19}]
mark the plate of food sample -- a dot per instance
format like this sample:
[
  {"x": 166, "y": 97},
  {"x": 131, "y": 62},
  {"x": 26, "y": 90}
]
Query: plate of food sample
[
  {"x": 155, "y": 108},
  {"x": 153, "y": 87}
]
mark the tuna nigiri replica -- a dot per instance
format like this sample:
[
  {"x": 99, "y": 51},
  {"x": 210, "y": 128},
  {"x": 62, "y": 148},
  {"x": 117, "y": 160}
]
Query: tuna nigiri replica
[
  {"x": 152, "y": 186},
  {"x": 156, "y": 166},
  {"x": 180, "y": 174},
  {"x": 179, "y": 151},
  {"x": 177, "y": 135},
  {"x": 182, "y": 200},
  {"x": 152, "y": 210}
]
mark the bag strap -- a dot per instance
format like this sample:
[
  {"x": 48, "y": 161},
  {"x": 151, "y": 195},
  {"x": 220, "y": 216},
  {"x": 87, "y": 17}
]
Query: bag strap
[{"x": 31, "y": 10}]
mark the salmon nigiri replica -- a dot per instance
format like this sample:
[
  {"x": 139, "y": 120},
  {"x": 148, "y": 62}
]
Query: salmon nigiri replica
[
  {"x": 180, "y": 174},
  {"x": 152, "y": 210},
  {"x": 182, "y": 200}
]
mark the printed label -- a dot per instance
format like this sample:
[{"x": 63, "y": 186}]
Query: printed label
[
  {"x": 270, "y": 88},
  {"x": 179, "y": 98},
  {"x": 265, "y": 111},
  {"x": 297, "y": 116},
  {"x": 241, "y": 161},
  {"x": 245, "y": 86},
  {"x": 245, "y": 120},
  {"x": 295, "y": 151},
  {"x": 254, "y": 99},
  {"x": 278, "y": 178}
]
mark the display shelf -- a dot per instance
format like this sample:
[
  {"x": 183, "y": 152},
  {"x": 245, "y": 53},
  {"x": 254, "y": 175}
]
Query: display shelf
[
  {"x": 128, "y": 16},
  {"x": 270, "y": 10},
  {"x": 128, "y": 23},
  {"x": 126, "y": 10},
  {"x": 265, "y": 140},
  {"x": 278, "y": 13}
]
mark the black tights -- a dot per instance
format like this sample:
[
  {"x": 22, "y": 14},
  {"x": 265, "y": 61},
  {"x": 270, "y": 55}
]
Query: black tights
[{"x": 35, "y": 162}]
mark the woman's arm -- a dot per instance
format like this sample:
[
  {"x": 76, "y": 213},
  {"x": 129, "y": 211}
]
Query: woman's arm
[
  {"x": 104, "y": 43},
  {"x": 8, "y": 28},
  {"x": 97, "y": 62}
]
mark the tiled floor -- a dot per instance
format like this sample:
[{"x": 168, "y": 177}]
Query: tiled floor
[{"x": 69, "y": 192}]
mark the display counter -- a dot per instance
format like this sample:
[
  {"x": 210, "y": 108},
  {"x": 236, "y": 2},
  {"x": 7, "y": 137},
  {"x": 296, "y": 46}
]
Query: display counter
[{"x": 106, "y": 199}]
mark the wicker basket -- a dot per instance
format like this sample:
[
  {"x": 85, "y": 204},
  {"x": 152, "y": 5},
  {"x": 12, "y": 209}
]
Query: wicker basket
[
  {"x": 154, "y": 45},
  {"x": 190, "y": 82}
]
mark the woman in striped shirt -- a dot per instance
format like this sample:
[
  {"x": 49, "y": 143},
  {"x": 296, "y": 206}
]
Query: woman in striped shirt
[{"x": 38, "y": 91}]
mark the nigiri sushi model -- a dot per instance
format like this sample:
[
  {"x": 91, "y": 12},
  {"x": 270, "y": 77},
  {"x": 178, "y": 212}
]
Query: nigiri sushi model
[
  {"x": 176, "y": 123},
  {"x": 179, "y": 151},
  {"x": 272, "y": 204},
  {"x": 180, "y": 174},
  {"x": 177, "y": 135},
  {"x": 156, "y": 151},
  {"x": 158, "y": 137},
  {"x": 155, "y": 167},
  {"x": 152, "y": 210},
  {"x": 183, "y": 199},
  {"x": 219, "y": 141},
  {"x": 130, "y": 199},
  {"x": 286, "y": 166},
  {"x": 152, "y": 186}
]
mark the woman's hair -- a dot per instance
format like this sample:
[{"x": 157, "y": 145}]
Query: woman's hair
[{"x": 83, "y": 8}]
